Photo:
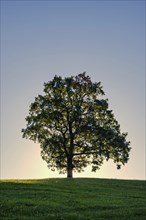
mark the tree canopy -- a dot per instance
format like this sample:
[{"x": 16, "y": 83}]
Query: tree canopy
[{"x": 74, "y": 126}]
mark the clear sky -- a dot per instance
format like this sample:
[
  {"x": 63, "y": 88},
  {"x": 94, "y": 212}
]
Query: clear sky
[{"x": 42, "y": 38}]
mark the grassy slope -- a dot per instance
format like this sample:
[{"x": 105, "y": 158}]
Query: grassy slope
[{"x": 73, "y": 199}]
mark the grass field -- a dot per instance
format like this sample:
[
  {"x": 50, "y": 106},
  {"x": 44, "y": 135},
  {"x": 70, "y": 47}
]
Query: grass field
[{"x": 73, "y": 199}]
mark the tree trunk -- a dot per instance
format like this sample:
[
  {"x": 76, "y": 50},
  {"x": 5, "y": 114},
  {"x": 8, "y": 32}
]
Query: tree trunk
[{"x": 69, "y": 168}]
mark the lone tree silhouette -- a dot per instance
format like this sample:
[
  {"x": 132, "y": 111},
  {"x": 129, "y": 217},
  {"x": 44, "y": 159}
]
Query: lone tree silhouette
[{"x": 74, "y": 126}]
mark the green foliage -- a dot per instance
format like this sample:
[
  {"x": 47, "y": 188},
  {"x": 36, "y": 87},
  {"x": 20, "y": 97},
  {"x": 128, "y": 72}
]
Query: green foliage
[
  {"x": 72, "y": 199},
  {"x": 74, "y": 126}
]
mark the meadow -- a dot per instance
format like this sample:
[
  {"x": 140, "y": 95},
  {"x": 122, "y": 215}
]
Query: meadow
[{"x": 73, "y": 199}]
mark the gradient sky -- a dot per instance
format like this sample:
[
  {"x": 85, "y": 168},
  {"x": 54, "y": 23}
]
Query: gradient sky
[{"x": 42, "y": 38}]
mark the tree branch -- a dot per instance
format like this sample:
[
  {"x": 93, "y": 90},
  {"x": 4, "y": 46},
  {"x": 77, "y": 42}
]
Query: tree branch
[{"x": 85, "y": 153}]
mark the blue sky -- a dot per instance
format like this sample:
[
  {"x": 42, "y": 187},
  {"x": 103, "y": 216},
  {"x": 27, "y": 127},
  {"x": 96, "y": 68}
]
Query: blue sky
[{"x": 42, "y": 38}]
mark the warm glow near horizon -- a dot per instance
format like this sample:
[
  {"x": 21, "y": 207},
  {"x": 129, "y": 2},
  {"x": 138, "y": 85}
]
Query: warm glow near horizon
[{"x": 42, "y": 38}]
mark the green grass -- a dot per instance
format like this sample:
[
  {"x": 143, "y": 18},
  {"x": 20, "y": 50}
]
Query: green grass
[{"x": 73, "y": 199}]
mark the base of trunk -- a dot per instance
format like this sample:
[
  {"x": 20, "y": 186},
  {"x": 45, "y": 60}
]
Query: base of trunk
[{"x": 70, "y": 173}]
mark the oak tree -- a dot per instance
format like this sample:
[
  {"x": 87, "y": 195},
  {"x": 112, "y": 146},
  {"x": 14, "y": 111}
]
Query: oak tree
[{"x": 74, "y": 126}]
